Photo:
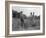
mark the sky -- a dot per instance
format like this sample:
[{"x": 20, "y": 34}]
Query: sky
[{"x": 27, "y": 10}]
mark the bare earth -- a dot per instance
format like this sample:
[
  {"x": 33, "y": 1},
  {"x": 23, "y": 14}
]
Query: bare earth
[{"x": 16, "y": 25}]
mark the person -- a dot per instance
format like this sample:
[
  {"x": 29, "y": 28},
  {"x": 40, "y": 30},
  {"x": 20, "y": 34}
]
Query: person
[
  {"x": 31, "y": 16},
  {"x": 22, "y": 19}
]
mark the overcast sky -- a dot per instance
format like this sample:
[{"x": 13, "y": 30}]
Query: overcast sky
[{"x": 27, "y": 10}]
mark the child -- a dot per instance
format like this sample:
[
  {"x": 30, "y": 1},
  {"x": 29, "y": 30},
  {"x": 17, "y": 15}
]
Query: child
[{"x": 22, "y": 19}]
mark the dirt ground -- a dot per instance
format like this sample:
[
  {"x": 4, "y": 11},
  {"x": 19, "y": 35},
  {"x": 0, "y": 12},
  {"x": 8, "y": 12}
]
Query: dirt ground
[{"x": 28, "y": 25}]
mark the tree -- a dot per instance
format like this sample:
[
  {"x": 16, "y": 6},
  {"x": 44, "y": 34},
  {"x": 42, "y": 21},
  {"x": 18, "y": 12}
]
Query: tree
[{"x": 14, "y": 13}]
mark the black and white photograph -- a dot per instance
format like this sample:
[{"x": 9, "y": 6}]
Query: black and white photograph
[{"x": 25, "y": 18}]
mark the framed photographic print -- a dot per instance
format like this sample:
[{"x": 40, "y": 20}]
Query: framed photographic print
[{"x": 24, "y": 18}]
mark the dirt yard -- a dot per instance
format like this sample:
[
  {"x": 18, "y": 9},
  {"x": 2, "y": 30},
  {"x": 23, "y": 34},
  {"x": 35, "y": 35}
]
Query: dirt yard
[{"x": 28, "y": 25}]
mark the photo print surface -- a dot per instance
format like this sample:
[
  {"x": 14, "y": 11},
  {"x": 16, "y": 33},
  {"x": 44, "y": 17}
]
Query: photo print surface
[{"x": 25, "y": 18}]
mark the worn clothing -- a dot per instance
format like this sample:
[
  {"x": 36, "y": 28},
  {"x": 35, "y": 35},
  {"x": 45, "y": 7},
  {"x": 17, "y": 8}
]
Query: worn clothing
[{"x": 22, "y": 20}]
